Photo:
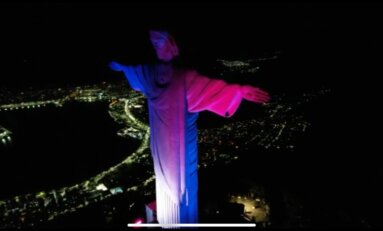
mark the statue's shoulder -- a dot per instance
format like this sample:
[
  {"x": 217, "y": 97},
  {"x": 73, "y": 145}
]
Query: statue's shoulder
[{"x": 189, "y": 71}]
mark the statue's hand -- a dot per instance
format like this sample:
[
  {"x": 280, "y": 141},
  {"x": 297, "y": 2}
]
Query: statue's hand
[
  {"x": 115, "y": 66},
  {"x": 254, "y": 94}
]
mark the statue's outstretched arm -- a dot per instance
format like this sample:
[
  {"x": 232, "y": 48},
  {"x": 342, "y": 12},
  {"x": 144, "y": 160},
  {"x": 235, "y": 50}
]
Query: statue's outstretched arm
[
  {"x": 217, "y": 96},
  {"x": 115, "y": 66},
  {"x": 254, "y": 94}
]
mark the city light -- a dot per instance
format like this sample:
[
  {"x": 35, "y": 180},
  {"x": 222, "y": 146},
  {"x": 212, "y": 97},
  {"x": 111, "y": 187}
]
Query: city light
[
  {"x": 101, "y": 187},
  {"x": 217, "y": 145}
]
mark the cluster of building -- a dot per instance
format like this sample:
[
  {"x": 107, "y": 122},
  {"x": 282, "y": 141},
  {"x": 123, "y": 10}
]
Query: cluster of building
[
  {"x": 35, "y": 98},
  {"x": 31, "y": 209}
]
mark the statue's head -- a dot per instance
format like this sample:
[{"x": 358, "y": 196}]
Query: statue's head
[{"x": 164, "y": 45}]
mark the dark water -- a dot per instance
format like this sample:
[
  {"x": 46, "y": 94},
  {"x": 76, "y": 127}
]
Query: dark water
[{"x": 54, "y": 147}]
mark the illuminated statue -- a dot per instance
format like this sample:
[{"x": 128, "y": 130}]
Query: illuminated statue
[{"x": 175, "y": 96}]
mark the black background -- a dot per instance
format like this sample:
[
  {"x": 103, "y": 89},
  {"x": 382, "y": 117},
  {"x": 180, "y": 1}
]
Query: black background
[{"x": 332, "y": 44}]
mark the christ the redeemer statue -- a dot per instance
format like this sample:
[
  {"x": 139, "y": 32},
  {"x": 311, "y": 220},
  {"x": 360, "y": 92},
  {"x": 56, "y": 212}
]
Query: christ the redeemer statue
[{"x": 175, "y": 96}]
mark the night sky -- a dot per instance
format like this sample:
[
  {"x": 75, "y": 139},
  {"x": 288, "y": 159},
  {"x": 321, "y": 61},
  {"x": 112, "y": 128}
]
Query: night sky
[
  {"x": 319, "y": 44},
  {"x": 54, "y": 43}
]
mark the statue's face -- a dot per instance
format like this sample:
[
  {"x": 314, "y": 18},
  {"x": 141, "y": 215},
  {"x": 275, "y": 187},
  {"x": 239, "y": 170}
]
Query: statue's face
[{"x": 164, "y": 45}]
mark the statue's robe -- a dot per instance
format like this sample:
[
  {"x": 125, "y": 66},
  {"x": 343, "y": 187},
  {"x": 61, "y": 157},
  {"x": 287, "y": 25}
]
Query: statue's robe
[{"x": 175, "y": 96}]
